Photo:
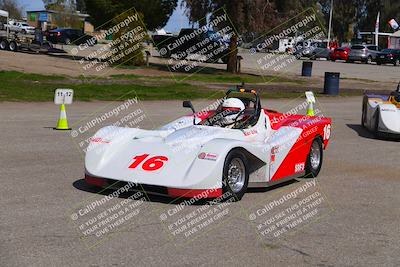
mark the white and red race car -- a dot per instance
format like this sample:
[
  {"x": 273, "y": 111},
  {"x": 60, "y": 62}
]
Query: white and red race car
[{"x": 205, "y": 156}]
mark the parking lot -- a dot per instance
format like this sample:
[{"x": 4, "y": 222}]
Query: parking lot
[{"x": 42, "y": 181}]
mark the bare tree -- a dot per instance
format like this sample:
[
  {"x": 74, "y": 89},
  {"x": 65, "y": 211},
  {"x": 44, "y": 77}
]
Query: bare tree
[{"x": 13, "y": 8}]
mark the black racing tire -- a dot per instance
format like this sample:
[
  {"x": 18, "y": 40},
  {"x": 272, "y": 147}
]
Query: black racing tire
[
  {"x": 364, "y": 112},
  {"x": 396, "y": 62},
  {"x": 312, "y": 168},
  {"x": 235, "y": 158},
  {"x": 3, "y": 45},
  {"x": 377, "y": 134},
  {"x": 12, "y": 46},
  {"x": 378, "y": 63}
]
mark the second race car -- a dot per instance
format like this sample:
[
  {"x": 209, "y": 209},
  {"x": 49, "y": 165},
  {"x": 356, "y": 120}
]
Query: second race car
[
  {"x": 381, "y": 113},
  {"x": 212, "y": 153}
]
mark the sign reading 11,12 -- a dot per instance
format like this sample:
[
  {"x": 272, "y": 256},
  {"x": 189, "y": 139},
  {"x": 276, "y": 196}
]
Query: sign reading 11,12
[{"x": 63, "y": 96}]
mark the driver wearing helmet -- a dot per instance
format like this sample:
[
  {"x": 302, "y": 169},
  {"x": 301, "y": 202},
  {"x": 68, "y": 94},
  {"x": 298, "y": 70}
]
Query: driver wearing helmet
[
  {"x": 395, "y": 98},
  {"x": 232, "y": 112}
]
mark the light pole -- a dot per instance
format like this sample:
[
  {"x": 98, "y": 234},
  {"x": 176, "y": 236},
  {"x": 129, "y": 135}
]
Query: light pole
[{"x": 330, "y": 24}]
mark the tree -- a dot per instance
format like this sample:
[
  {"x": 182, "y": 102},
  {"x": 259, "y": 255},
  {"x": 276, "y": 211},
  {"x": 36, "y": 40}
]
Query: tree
[
  {"x": 247, "y": 16},
  {"x": 197, "y": 10},
  {"x": 156, "y": 13},
  {"x": 13, "y": 8},
  {"x": 66, "y": 15},
  {"x": 343, "y": 19},
  {"x": 390, "y": 9}
]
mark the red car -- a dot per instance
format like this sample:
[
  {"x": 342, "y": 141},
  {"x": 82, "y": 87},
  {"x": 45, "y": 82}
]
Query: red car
[{"x": 340, "y": 53}]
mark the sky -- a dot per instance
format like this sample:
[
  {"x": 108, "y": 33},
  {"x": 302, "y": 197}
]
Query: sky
[{"x": 177, "y": 21}]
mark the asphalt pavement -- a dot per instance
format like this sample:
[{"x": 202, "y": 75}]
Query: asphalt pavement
[{"x": 351, "y": 217}]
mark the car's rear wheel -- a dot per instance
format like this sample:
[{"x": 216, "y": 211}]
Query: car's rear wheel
[
  {"x": 13, "y": 46},
  {"x": 67, "y": 41},
  {"x": 3, "y": 44},
  {"x": 369, "y": 60},
  {"x": 235, "y": 175},
  {"x": 314, "y": 159},
  {"x": 396, "y": 62}
]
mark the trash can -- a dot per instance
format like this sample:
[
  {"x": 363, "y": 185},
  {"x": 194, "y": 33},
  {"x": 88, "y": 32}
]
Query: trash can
[
  {"x": 331, "y": 83},
  {"x": 306, "y": 69}
]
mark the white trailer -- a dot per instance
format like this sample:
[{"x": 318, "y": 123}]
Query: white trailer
[{"x": 15, "y": 41}]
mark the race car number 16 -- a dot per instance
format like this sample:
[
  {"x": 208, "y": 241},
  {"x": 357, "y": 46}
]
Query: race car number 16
[
  {"x": 151, "y": 164},
  {"x": 327, "y": 132}
]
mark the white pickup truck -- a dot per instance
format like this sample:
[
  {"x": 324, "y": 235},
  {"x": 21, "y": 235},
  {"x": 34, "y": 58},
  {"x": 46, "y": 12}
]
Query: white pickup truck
[{"x": 21, "y": 27}]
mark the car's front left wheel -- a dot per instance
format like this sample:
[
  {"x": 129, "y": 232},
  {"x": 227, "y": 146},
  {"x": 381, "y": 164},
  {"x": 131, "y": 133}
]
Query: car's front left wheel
[{"x": 235, "y": 175}]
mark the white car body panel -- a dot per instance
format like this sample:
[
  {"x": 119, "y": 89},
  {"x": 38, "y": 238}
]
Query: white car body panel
[
  {"x": 389, "y": 116},
  {"x": 181, "y": 142}
]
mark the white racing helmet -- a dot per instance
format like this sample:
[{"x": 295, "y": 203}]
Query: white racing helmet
[{"x": 231, "y": 107}]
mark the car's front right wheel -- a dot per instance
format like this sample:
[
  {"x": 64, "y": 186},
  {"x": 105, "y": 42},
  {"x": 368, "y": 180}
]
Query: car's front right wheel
[{"x": 235, "y": 175}]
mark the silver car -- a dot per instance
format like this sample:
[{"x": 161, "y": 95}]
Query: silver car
[
  {"x": 311, "y": 49},
  {"x": 363, "y": 53}
]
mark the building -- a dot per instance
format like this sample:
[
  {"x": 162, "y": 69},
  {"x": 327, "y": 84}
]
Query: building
[
  {"x": 47, "y": 19},
  {"x": 394, "y": 40}
]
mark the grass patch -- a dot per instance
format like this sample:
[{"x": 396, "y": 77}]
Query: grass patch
[
  {"x": 218, "y": 77},
  {"x": 16, "y": 86},
  {"x": 35, "y": 88},
  {"x": 15, "y": 75},
  {"x": 125, "y": 76},
  {"x": 232, "y": 78}
]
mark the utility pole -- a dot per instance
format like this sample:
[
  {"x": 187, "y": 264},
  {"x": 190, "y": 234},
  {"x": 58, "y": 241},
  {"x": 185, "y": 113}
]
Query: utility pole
[{"x": 330, "y": 25}]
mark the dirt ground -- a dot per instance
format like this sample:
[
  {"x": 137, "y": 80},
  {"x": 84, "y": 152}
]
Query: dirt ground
[{"x": 353, "y": 76}]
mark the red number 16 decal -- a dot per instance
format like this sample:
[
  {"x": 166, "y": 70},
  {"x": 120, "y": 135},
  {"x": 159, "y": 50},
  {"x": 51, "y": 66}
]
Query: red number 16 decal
[{"x": 151, "y": 164}]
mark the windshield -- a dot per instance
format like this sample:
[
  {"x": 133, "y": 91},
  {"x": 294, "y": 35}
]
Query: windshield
[
  {"x": 232, "y": 118},
  {"x": 357, "y": 47}
]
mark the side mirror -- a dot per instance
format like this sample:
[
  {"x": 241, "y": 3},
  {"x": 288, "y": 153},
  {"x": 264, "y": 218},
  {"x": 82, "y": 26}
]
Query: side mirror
[{"x": 188, "y": 104}]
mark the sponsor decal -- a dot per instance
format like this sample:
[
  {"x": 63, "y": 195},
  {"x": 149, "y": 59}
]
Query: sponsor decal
[
  {"x": 274, "y": 151},
  {"x": 99, "y": 140},
  {"x": 208, "y": 156},
  {"x": 299, "y": 167},
  {"x": 386, "y": 109},
  {"x": 250, "y": 132}
]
